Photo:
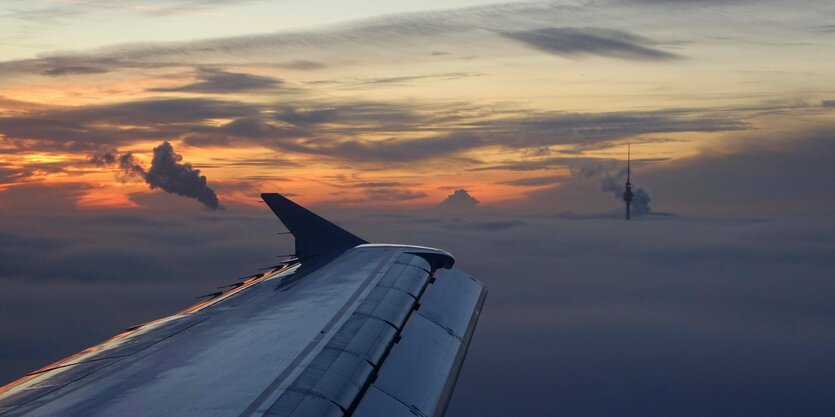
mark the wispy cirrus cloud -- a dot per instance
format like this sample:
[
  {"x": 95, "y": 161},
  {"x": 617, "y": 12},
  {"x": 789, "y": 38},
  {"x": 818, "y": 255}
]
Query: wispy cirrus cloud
[
  {"x": 407, "y": 36},
  {"x": 66, "y": 9}
]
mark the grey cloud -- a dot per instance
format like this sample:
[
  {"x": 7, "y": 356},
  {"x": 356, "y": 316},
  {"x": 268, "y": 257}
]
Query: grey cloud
[
  {"x": 124, "y": 268},
  {"x": 393, "y": 194},
  {"x": 308, "y": 116},
  {"x": 45, "y": 133},
  {"x": 329, "y": 42},
  {"x": 33, "y": 127},
  {"x": 378, "y": 184},
  {"x": 258, "y": 128},
  {"x": 400, "y": 150},
  {"x": 77, "y": 64},
  {"x": 490, "y": 225},
  {"x": 592, "y": 130},
  {"x": 535, "y": 181},
  {"x": 594, "y": 168},
  {"x": 769, "y": 173},
  {"x": 511, "y": 131},
  {"x": 596, "y": 127},
  {"x": 40, "y": 14},
  {"x": 528, "y": 165},
  {"x": 251, "y": 127},
  {"x": 10, "y": 174},
  {"x": 401, "y": 79},
  {"x": 73, "y": 69},
  {"x": 39, "y": 197},
  {"x": 158, "y": 111},
  {"x": 302, "y": 64},
  {"x": 823, "y": 28},
  {"x": 377, "y": 116},
  {"x": 60, "y": 11},
  {"x": 14, "y": 174},
  {"x": 19, "y": 105},
  {"x": 267, "y": 162},
  {"x": 609, "y": 292},
  {"x": 321, "y": 132},
  {"x": 751, "y": 174},
  {"x": 537, "y": 151},
  {"x": 574, "y": 42},
  {"x": 695, "y": 3},
  {"x": 249, "y": 130},
  {"x": 336, "y": 129},
  {"x": 215, "y": 81},
  {"x": 89, "y": 128},
  {"x": 459, "y": 202}
]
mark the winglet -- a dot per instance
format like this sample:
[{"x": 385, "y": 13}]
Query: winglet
[{"x": 313, "y": 234}]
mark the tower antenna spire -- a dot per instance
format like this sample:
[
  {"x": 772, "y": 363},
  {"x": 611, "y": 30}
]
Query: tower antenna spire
[{"x": 627, "y": 193}]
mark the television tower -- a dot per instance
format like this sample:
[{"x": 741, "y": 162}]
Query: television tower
[{"x": 627, "y": 195}]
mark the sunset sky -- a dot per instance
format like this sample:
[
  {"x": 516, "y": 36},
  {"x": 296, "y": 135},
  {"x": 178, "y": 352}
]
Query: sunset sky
[
  {"x": 398, "y": 103},
  {"x": 496, "y": 131}
]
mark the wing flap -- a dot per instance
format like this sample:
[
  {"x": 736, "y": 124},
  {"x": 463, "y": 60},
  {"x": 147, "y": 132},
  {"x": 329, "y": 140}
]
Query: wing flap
[
  {"x": 390, "y": 358},
  {"x": 418, "y": 376},
  {"x": 378, "y": 403},
  {"x": 344, "y": 368},
  {"x": 417, "y": 371},
  {"x": 454, "y": 300},
  {"x": 304, "y": 404}
]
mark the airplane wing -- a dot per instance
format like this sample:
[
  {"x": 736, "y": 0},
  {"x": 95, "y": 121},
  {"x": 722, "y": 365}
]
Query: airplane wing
[{"x": 346, "y": 328}]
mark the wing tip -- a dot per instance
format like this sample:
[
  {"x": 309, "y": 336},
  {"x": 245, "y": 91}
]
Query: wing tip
[{"x": 313, "y": 233}]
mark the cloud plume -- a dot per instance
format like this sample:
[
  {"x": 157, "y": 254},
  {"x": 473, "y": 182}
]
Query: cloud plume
[
  {"x": 167, "y": 173},
  {"x": 612, "y": 180}
]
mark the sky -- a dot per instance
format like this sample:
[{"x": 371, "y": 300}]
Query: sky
[
  {"x": 396, "y": 103},
  {"x": 135, "y": 138}
]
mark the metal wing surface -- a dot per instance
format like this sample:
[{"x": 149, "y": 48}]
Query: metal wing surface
[{"x": 346, "y": 328}]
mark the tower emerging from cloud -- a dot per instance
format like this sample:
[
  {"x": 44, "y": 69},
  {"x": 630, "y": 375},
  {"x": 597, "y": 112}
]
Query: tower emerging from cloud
[{"x": 627, "y": 194}]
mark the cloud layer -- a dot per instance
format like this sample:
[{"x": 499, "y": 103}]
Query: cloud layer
[{"x": 695, "y": 316}]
